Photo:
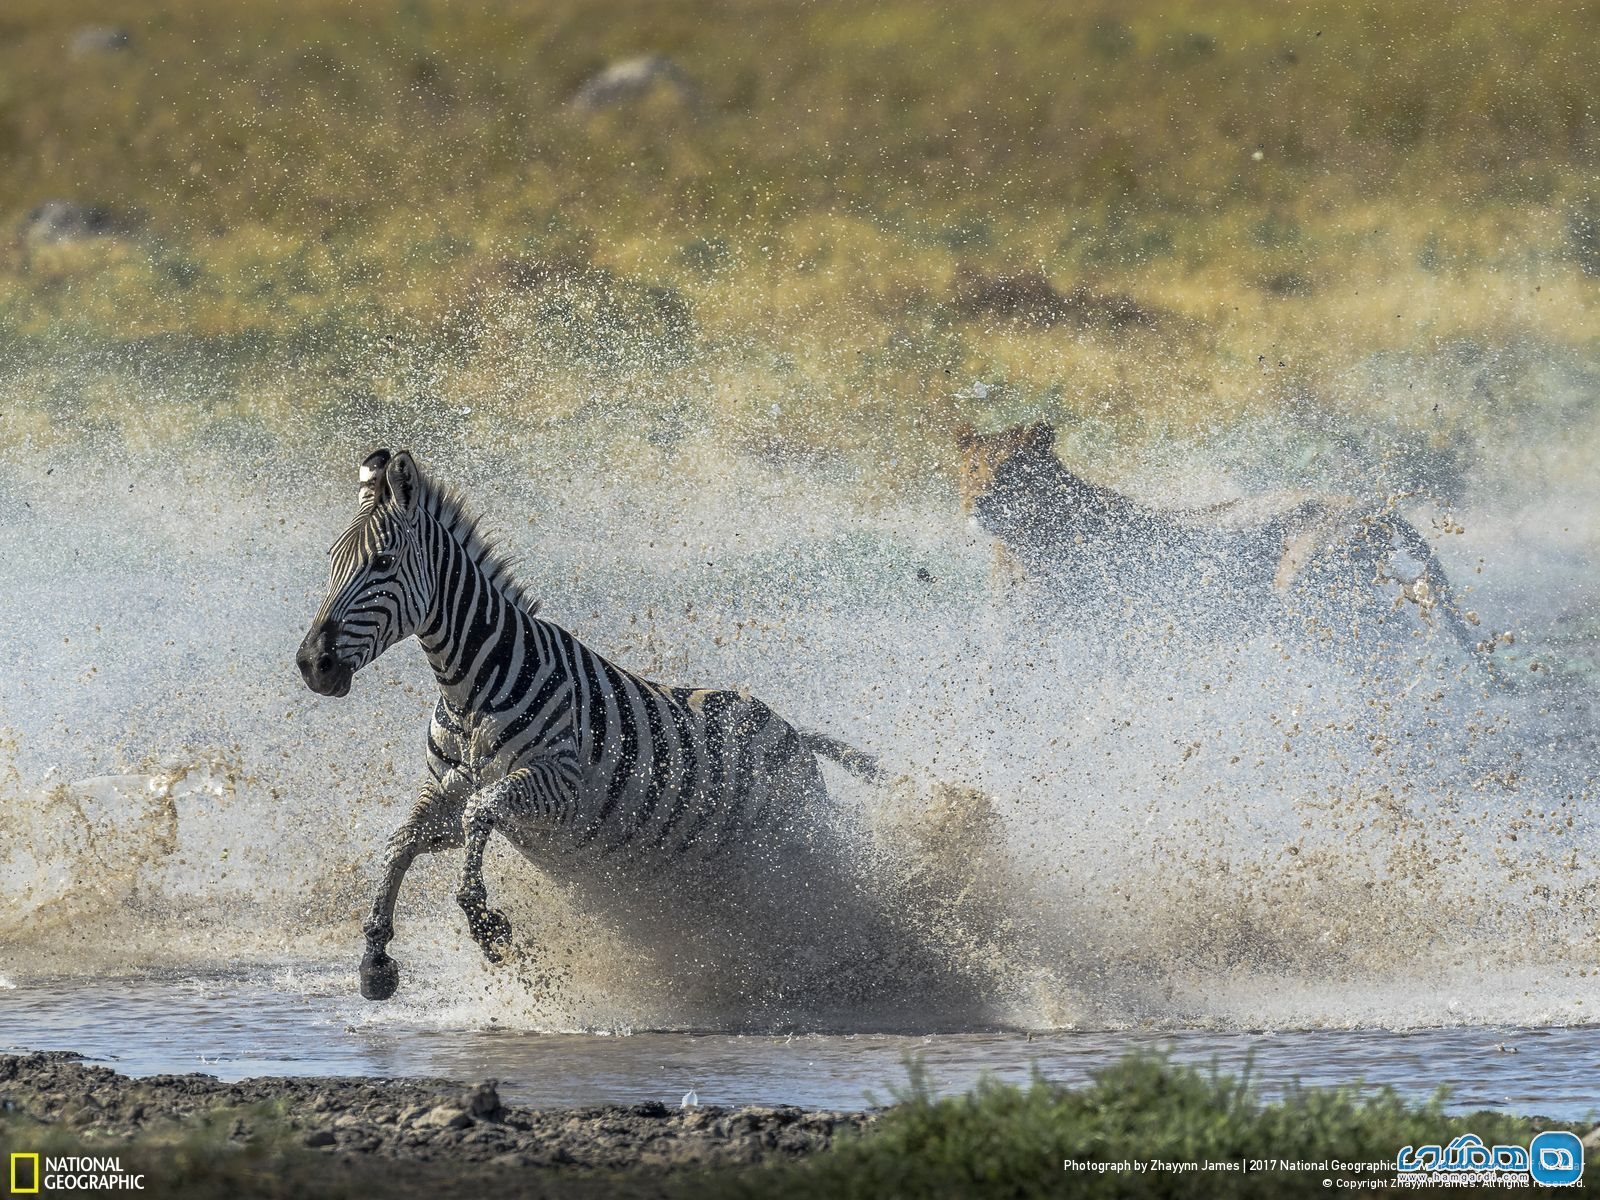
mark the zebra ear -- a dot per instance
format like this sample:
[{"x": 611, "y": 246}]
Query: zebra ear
[
  {"x": 369, "y": 480},
  {"x": 405, "y": 483}
]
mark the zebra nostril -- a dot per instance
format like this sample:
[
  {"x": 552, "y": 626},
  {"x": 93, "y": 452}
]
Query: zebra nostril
[{"x": 324, "y": 663}]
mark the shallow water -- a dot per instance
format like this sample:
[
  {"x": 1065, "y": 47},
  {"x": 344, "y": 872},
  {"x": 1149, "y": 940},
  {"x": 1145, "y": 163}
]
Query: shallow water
[{"x": 234, "y": 1027}]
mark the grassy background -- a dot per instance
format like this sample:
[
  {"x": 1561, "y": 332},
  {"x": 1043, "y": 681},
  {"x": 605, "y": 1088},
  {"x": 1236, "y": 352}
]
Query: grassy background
[{"x": 322, "y": 205}]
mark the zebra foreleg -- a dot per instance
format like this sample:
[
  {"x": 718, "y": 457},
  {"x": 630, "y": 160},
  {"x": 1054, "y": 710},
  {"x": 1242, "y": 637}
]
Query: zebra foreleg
[
  {"x": 537, "y": 794},
  {"x": 434, "y": 824}
]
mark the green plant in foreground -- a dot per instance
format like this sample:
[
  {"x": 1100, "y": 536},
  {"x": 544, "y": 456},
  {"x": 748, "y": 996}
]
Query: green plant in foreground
[{"x": 1004, "y": 1140}]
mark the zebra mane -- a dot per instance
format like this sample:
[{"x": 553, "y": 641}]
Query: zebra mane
[{"x": 449, "y": 508}]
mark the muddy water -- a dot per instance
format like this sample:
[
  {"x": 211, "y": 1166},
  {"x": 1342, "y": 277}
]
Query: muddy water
[{"x": 303, "y": 1022}]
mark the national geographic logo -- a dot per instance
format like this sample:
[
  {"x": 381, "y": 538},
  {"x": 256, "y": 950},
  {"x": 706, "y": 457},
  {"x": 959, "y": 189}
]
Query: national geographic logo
[
  {"x": 31, "y": 1175},
  {"x": 24, "y": 1174}
]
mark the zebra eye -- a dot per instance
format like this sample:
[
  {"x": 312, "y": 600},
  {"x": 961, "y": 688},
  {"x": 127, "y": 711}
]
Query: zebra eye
[{"x": 382, "y": 562}]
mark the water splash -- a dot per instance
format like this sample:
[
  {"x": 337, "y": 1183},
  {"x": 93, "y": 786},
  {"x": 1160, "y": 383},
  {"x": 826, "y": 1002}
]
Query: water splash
[{"x": 1123, "y": 820}]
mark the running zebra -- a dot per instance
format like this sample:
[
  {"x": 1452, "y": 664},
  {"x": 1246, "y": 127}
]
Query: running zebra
[{"x": 579, "y": 764}]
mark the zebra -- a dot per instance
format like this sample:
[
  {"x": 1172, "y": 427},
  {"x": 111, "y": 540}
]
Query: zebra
[{"x": 581, "y": 765}]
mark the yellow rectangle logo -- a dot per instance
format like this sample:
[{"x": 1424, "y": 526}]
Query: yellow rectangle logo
[{"x": 17, "y": 1186}]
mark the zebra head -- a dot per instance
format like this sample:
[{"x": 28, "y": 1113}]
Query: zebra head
[{"x": 378, "y": 589}]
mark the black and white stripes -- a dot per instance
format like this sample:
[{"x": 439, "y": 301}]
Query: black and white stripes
[{"x": 536, "y": 736}]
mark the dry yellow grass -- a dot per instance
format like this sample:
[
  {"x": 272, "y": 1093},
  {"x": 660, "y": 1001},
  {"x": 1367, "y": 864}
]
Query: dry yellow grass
[{"x": 361, "y": 193}]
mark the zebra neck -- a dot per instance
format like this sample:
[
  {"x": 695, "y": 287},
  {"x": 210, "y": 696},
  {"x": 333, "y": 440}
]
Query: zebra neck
[{"x": 475, "y": 626}]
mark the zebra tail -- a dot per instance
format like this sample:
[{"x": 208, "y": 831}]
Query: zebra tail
[{"x": 859, "y": 763}]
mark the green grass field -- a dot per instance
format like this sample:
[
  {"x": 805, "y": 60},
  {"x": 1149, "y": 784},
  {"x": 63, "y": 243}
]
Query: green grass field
[{"x": 864, "y": 210}]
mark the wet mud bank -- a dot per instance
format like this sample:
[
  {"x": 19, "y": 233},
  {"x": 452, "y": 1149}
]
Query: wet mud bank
[{"x": 423, "y": 1121}]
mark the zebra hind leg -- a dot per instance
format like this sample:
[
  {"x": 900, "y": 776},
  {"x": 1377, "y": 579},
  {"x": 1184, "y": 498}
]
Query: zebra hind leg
[
  {"x": 513, "y": 799},
  {"x": 489, "y": 926}
]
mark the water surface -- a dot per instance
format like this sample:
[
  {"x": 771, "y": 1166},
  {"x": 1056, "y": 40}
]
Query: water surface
[{"x": 235, "y": 1027}]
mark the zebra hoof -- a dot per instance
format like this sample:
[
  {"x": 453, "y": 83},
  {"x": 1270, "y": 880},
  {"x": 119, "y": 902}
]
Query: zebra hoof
[
  {"x": 493, "y": 932},
  {"x": 380, "y": 976}
]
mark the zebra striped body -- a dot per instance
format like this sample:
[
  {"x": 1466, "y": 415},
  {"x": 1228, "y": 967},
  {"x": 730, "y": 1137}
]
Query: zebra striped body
[
  {"x": 643, "y": 776},
  {"x": 586, "y": 769}
]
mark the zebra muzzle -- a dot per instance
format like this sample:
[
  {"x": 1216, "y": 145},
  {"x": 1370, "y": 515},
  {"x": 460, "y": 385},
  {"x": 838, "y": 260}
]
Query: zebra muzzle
[{"x": 321, "y": 669}]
